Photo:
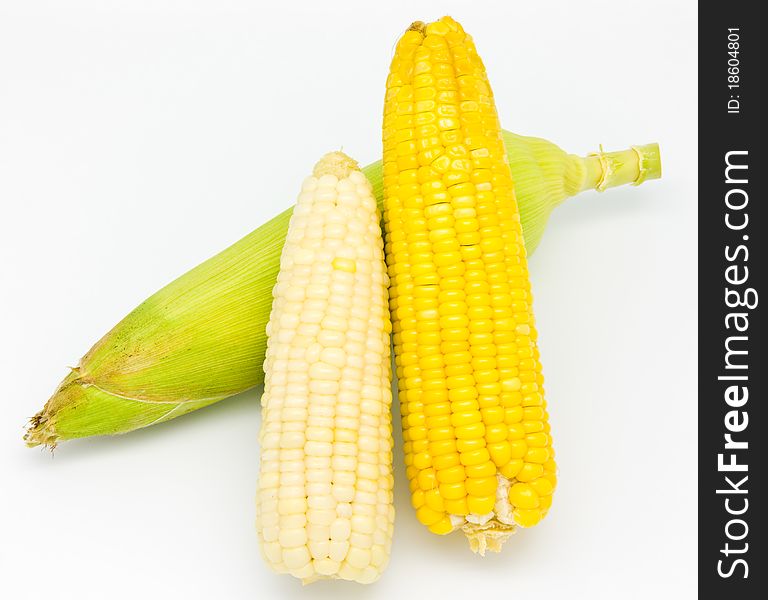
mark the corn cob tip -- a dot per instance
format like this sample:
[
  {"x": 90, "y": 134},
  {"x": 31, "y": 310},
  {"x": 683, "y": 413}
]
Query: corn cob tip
[
  {"x": 417, "y": 26},
  {"x": 488, "y": 537},
  {"x": 337, "y": 164}
]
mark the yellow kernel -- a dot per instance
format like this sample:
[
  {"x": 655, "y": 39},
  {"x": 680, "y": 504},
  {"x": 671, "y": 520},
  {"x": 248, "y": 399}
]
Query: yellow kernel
[
  {"x": 459, "y": 369},
  {"x": 442, "y": 447},
  {"x": 487, "y": 469},
  {"x": 533, "y": 426},
  {"x": 518, "y": 448},
  {"x": 495, "y": 433},
  {"x": 486, "y": 376},
  {"x": 427, "y": 516},
  {"x": 481, "y": 486},
  {"x": 456, "y": 507},
  {"x": 433, "y": 500},
  {"x": 344, "y": 264},
  {"x": 513, "y": 414},
  {"x": 545, "y": 502},
  {"x": 522, "y": 495},
  {"x": 445, "y": 461},
  {"x": 481, "y": 505},
  {"x": 460, "y": 381},
  {"x": 452, "y": 475},
  {"x": 469, "y": 432},
  {"x": 537, "y": 455},
  {"x": 485, "y": 400},
  {"x": 417, "y": 498},
  {"x": 542, "y": 486},
  {"x": 475, "y": 457},
  {"x": 464, "y": 419},
  {"x": 501, "y": 453},
  {"x": 440, "y": 433},
  {"x": 533, "y": 413},
  {"x": 529, "y": 472},
  {"x": 470, "y": 445},
  {"x": 422, "y": 460},
  {"x": 442, "y": 527},
  {"x": 526, "y": 518},
  {"x": 512, "y": 468},
  {"x": 549, "y": 476},
  {"x": 511, "y": 385},
  {"x": 535, "y": 399},
  {"x": 465, "y": 405},
  {"x": 427, "y": 479},
  {"x": 452, "y": 491},
  {"x": 461, "y": 394}
]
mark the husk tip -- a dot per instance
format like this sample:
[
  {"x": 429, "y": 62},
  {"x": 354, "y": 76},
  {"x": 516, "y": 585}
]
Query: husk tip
[{"x": 40, "y": 432}]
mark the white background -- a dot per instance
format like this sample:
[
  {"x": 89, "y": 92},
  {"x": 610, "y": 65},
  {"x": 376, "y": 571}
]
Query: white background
[{"x": 139, "y": 138}]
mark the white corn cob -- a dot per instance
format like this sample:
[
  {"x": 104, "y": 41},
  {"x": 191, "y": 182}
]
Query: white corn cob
[{"x": 324, "y": 506}]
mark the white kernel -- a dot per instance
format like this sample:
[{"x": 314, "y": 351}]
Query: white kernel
[
  {"x": 361, "y": 540},
  {"x": 344, "y": 449},
  {"x": 296, "y": 558},
  {"x": 270, "y": 534},
  {"x": 340, "y": 530},
  {"x": 326, "y": 567},
  {"x": 291, "y": 491},
  {"x": 343, "y": 493},
  {"x": 338, "y": 550},
  {"x": 344, "y": 510},
  {"x": 292, "y": 538},
  {"x": 298, "y": 521},
  {"x": 321, "y": 517},
  {"x": 312, "y": 353},
  {"x": 362, "y": 524},
  {"x": 345, "y": 476},
  {"x": 303, "y": 256},
  {"x": 318, "y": 465},
  {"x": 268, "y": 520},
  {"x": 292, "y": 439},
  {"x": 324, "y": 387},
  {"x": 328, "y": 181},
  {"x": 329, "y": 322},
  {"x": 319, "y": 434},
  {"x": 347, "y": 422},
  {"x": 322, "y": 502},
  {"x": 345, "y": 185},
  {"x": 324, "y": 371},
  {"x": 333, "y": 356},
  {"x": 365, "y": 498},
  {"x": 290, "y": 506},
  {"x": 320, "y": 488},
  {"x": 331, "y": 338},
  {"x": 273, "y": 553},
  {"x": 368, "y": 443},
  {"x": 368, "y": 575},
  {"x": 319, "y": 548},
  {"x": 305, "y": 573},
  {"x": 318, "y": 448},
  {"x": 358, "y": 558}
]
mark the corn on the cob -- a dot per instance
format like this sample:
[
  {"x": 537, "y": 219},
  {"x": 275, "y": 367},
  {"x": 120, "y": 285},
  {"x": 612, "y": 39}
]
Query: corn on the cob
[
  {"x": 478, "y": 452},
  {"x": 325, "y": 491},
  {"x": 195, "y": 341}
]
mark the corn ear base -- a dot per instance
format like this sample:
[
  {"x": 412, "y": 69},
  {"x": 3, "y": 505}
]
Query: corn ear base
[{"x": 201, "y": 338}]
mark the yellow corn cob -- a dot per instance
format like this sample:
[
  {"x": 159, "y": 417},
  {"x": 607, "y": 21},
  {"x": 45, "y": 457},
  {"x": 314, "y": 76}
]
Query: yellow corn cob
[
  {"x": 325, "y": 490},
  {"x": 478, "y": 452}
]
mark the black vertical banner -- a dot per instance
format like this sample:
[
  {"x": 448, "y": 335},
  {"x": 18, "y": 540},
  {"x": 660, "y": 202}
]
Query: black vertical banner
[{"x": 733, "y": 299}]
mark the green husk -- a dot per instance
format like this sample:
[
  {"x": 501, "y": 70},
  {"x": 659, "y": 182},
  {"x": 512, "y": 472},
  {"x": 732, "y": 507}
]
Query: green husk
[{"x": 202, "y": 337}]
